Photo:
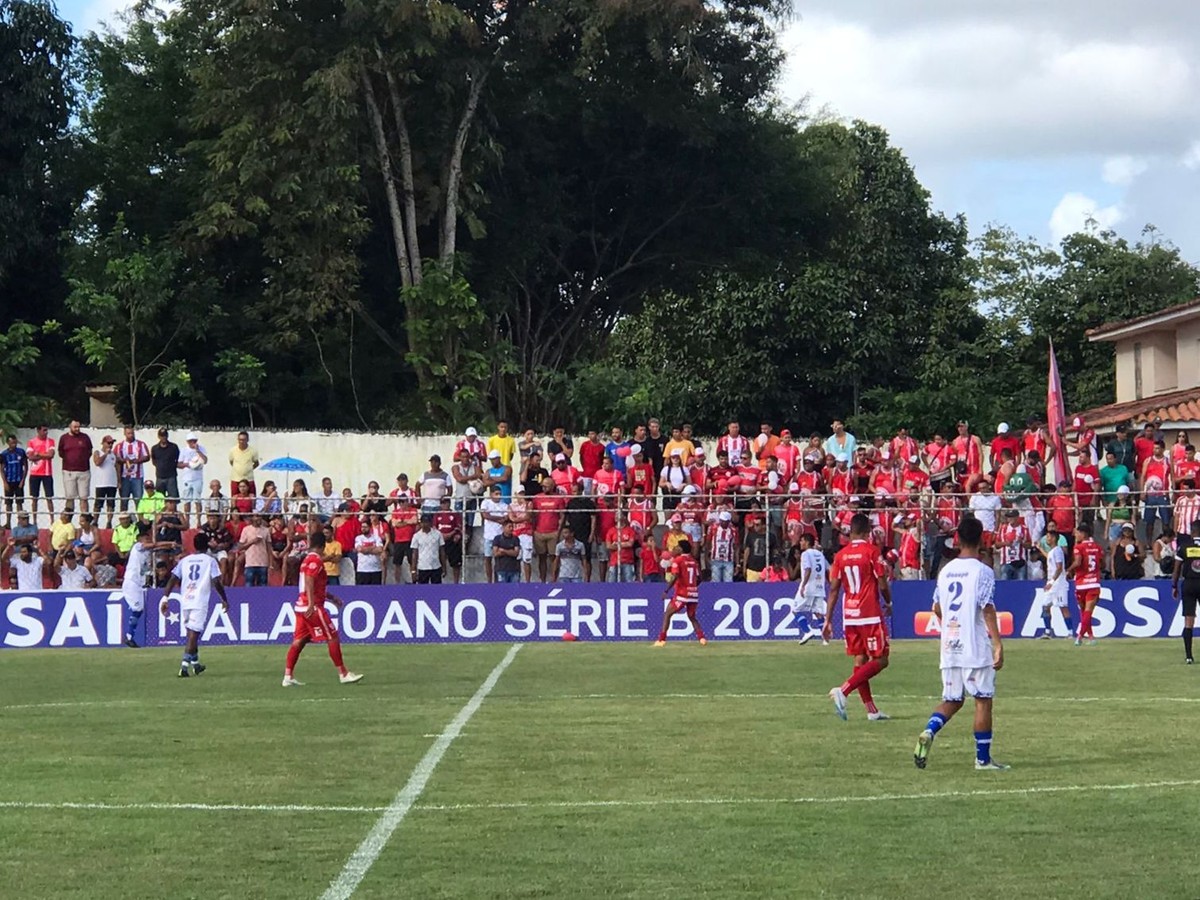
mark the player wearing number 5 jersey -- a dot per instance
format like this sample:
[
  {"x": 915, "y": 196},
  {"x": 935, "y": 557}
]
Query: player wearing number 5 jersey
[
  {"x": 860, "y": 571},
  {"x": 1086, "y": 566},
  {"x": 971, "y": 648},
  {"x": 312, "y": 620},
  {"x": 195, "y": 576}
]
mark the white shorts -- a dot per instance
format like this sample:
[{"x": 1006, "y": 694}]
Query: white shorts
[
  {"x": 190, "y": 491},
  {"x": 526, "y": 547},
  {"x": 1057, "y": 597},
  {"x": 809, "y": 603},
  {"x": 976, "y": 682},
  {"x": 194, "y": 618},
  {"x": 135, "y": 598},
  {"x": 219, "y": 555}
]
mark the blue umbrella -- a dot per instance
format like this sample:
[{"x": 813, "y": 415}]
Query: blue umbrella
[{"x": 287, "y": 464}]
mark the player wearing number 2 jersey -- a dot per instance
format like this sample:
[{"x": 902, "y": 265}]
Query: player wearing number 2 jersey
[
  {"x": 971, "y": 648},
  {"x": 312, "y": 620},
  {"x": 1086, "y": 566},
  {"x": 860, "y": 571},
  {"x": 196, "y": 576}
]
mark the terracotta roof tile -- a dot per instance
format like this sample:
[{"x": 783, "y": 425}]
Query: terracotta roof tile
[
  {"x": 1137, "y": 320},
  {"x": 1178, "y": 406}
]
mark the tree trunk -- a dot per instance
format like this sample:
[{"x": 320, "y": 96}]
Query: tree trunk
[
  {"x": 454, "y": 169},
  {"x": 407, "y": 181},
  {"x": 389, "y": 182}
]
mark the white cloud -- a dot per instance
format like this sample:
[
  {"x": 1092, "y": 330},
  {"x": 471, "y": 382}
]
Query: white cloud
[
  {"x": 1122, "y": 170},
  {"x": 1076, "y": 211},
  {"x": 1191, "y": 159}
]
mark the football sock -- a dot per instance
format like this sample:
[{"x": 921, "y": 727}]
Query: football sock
[
  {"x": 936, "y": 721},
  {"x": 699, "y": 630},
  {"x": 293, "y": 654},
  {"x": 864, "y": 692},
  {"x": 1070, "y": 627},
  {"x": 335, "y": 653},
  {"x": 818, "y": 623},
  {"x": 662, "y": 635},
  {"x": 862, "y": 675},
  {"x": 800, "y": 621},
  {"x": 131, "y": 623},
  {"x": 1187, "y": 642},
  {"x": 983, "y": 746},
  {"x": 1046, "y": 621},
  {"x": 1085, "y": 624}
]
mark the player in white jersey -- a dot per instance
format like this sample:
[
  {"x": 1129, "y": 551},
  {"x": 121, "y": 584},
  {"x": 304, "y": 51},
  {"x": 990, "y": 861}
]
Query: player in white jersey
[
  {"x": 195, "y": 576},
  {"x": 811, "y": 589},
  {"x": 139, "y": 568},
  {"x": 1056, "y": 588},
  {"x": 971, "y": 648}
]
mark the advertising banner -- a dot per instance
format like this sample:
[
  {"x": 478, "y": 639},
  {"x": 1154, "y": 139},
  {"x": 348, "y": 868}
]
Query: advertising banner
[{"x": 537, "y": 612}]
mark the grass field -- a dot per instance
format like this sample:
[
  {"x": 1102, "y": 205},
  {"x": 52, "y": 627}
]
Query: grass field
[{"x": 595, "y": 770}]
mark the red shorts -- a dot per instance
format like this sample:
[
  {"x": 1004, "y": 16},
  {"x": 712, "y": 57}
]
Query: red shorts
[
  {"x": 677, "y": 605},
  {"x": 867, "y": 640},
  {"x": 317, "y": 628},
  {"x": 1087, "y": 595},
  {"x": 989, "y": 540}
]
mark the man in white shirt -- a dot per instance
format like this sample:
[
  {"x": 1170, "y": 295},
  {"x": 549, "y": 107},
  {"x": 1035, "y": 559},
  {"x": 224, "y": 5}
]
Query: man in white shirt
[
  {"x": 971, "y": 649},
  {"x": 434, "y": 485},
  {"x": 368, "y": 555},
  {"x": 985, "y": 504},
  {"x": 494, "y": 512},
  {"x": 327, "y": 500},
  {"x": 192, "y": 458},
  {"x": 195, "y": 576},
  {"x": 71, "y": 575},
  {"x": 429, "y": 552},
  {"x": 138, "y": 570},
  {"x": 25, "y": 567}
]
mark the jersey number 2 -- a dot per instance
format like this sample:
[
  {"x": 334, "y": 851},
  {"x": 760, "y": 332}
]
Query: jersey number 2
[{"x": 955, "y": 590}]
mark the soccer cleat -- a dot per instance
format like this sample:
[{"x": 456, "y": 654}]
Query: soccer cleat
[
  {"x": 839, "y": 703},
  {"x": 1078, "y": 642},
  {"x": 703, "y": 642},
  {"x": 990, "y": 766},
  {"x": 660, "y": 643},
  {"x": 924, "y": 743},
  {"x": 1187, "y": 661},
  {"x": 350, "y": 678},
  {"x": 289, "y": 681},
  {"x": 183, "y": 672},
  {"x": 878, "y": 717},
  {"x": 1092, "y": 642},
  {"x": 824, "y": 643},
  {"x": 129, "y": 641},
  {"x": 1045, "y": 635},
  {"x": 808, "y": 636},
  {"x": 197, "y": 668}
]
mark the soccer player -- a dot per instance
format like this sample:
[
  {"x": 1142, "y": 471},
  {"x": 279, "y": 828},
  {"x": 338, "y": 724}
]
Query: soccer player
[
  {"x": 196, "y": 576},
  {"x": 1086, "y": 565},
  {"x": 312, "y": 619},
  {"x": 811, "y": 591},
  {"x": 1056, "y": 587},
  {"x": 683, "y": 576},
  {"x": 138, "y": 570},
  {"x": 1187, "y": 567},
  {"x": 972, "y": 653},
  {"x": 860, "y": 569}
]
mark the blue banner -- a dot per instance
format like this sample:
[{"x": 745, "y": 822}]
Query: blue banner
[{"x": 538, "y": 612}]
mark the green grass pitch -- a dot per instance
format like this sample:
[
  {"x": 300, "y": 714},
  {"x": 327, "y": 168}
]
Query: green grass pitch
[{"x": 596, "y": 771}]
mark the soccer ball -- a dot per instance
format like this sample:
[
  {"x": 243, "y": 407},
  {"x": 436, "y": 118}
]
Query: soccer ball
[{"x": 195, "y": 463}]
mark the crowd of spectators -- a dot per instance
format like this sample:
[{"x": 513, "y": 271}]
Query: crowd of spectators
[{"x": 611, "y": 508}]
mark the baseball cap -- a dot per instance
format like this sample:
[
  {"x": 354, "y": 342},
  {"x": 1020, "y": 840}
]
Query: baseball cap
[
  {"x": 495, "y": 454},
  {"x": 1123, "y": 489},
  {"x": 471, "y": 432},
  {"x": 856, "y": 499},
  {"x": 885, "y": 454},
  {"x": 520, "y": 489},
  {"x": 725, "y": 516},
  {"x": 560, "y": 457},
  {"x": 785, "y": 433},
  {"x": 1002, "y": 428},
  {"x": 914, "y": 459},
  {"x": 1077, "y": 422},
  {"x": 677, "y": 451},
  {"x": 793, "y": 487},
  {"x": 843, "y": 457},
  {"x": 699, "y": 451},
  {"x": 691, "y": 489},
  {"x": 635, "y": 449},
  {"x": 192, "y": 436},
  {"x": 676, "y": 520}
]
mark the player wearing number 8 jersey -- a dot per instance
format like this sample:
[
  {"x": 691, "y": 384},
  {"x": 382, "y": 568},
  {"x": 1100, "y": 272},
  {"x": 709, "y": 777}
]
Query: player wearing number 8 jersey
[
  {"x": 860, "y": 571},
  {"x": 971, "y": 649},
  {"x": 1086, "y": 566},
  {"x": 196, "y": 576},
  {"x": 312, "y": 620}
]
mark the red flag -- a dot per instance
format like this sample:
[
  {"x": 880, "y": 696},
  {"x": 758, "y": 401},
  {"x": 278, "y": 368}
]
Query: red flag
[{"x": 1056, "y": 420}]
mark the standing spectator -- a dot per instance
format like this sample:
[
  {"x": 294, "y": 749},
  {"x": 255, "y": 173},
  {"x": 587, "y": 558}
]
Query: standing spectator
[
  {"x": 532, "y": 473},
  {"x": 1013, "y": 541},
  {"x": 591, "y": 454},
  {"x": 1179, "y": 448},
  {"x": 433, "y": 484},
  {"x": 1062, "y": 512},
  {"x": 15, "y": 465},
  {"x": 569, "y": 558},
  {"x": 1156, "y": 489},
  {"x": 1036, "y": 440},
  {"x": 686, "y": 432},
  {"x": 841, "y": 441},
  {"x": 939, "y": 458},
  {"x": 331, "y": 556},
  {"x": 1113, "y": 476},
  {"x": 547, "y": 509},
  {"x": 476, "y": 449},
  {"x": 192, "y": 459},
  {"x": 24, "y": 532},
  {"x": 765, "y": 444},
  {"x": 754, "y": 552},
  {"x": 564, "y": 475},
  {"x": 132, "y": 455},
  {"x": 1083, "y": 440},
  {"x": 506, "y": 555},
  {"x": 254, "y": 546},
  {"x": 494, "y": 511},
  {"x": 1187, "y": 506},
  {"x": 467, "y": 488},
  {"x": 243, "y": 460},
  {"x": 449, "y": 524},
  {"x": 639, "y": 473},
  {"x": 429, "y": 552},
  {"x": 40, "y": 451},
  {"x": 698, "y": 471},
  {"x": 620, "y": 541},
  {"x": 75, "y": 451},
  {"x": 369, "y": 551},
  {"x": 672, "y": 479},
  {"x": 1122, "y": 449},
  {"x": 560, "y": 442},
  {"x": 654, "y": 447},
  {"x": 735, "y": 446},
  {"x": 373, "y": 502},
  {"x": 521, "y": 516},
  {"x": 615, "y": 444},
  {"x": 580, "y": 518},
  {"x": 1004, "y": 440},
  {"x": 685, "y": 448},
  {"x": 171, "y": 526},
  {"x": 529, "y": 444},
  {"x": 498, "y": 474},
  {"x": 985, "y": 504},
  {"x": 503, "y": 443},
  {"x": 25, "y": 567},
  {"x": 1086, "y": 485},
  {"x": 722, "y": 547},
  {"x": 405, "y": 520},
  {"x": 164, "y": 455},
  {"x": 1143, "y": 449},
  {"x": 788, "y": 457},
  {"x": 968, "y": 448},
  {"x": 903, "y": 445},
  {"x": 1188, "y": 466}
]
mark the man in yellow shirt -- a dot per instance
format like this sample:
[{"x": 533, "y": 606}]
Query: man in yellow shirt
[
  {"x": 678, "y": 442},
  {"x": 332, "y": 557},
  {"x": 502, "y": 442},
  {"x": 125, "y": 535},
  {"x": 62, "y": 533},
  {"x": 243, "y": 460},
  {"x": 151, "y": 504}
]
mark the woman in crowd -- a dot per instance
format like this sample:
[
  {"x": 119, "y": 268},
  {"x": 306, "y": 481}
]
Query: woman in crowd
[
  {"x": 1126, "y": 556},
  {"x": 297, "y": 497}
]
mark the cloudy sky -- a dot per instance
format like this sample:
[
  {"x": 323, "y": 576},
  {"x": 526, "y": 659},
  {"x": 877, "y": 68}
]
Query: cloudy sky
[
  {"x": 1032, "y": 114},
  {"x": 1029, "y": 113}
]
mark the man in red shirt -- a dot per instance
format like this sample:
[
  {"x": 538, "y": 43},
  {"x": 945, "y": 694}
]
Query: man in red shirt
[
  {"x": 787, "y": 457},
  {"x": 1086, "y": 564},
  {"x": 591, "y": 454},
  {"x": 1004, "y": 440},
  {"x": 547, "y": 510},
  {"x": 902, "y": 446},
  {"x": 639, "y": 473},
  {"x": 1188, "y": 467},
  {"x": 312, "y": 619},
  {"x": 683, "y": 576},
  {"x": 1156, "y": 489},
  {"x": 75, "y": 451},
  {"x": 859, "y": 571},
  {"x": 40, "y": 452},
  {"x": 1087, "y": 484},
  {"x": 1143, "y": 448},
  {"x": 620, "y": 540}
]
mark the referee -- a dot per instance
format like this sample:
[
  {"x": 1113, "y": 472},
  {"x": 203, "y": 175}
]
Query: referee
[{"x": 1187, "y": 567}]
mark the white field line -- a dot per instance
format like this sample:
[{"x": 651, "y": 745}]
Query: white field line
[
  {"x": 548, "y": 698},
  {"x": 982, "y": 793},
  {"x": 368, "y": 851}
]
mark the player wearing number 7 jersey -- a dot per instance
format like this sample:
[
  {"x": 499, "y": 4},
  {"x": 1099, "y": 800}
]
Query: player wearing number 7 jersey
[
  {"x": 196, "y": 576},
  {"x": 859, "y": 569}
]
